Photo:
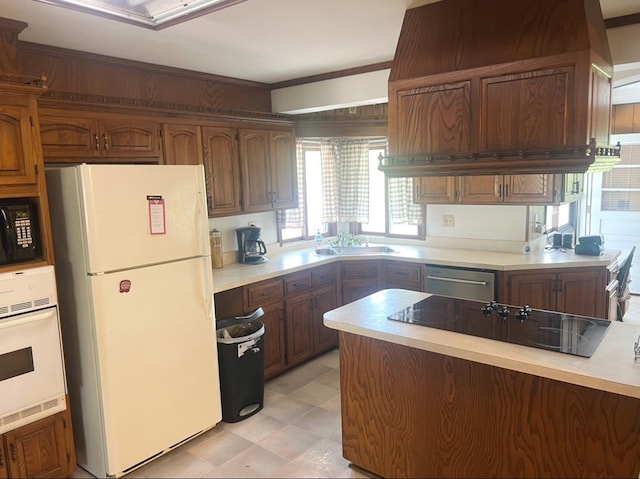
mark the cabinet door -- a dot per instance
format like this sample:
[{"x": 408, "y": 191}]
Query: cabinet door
[
  {"x": 129, "y": 138},
  {"x": 299, "y": 328},
  {"x": 324, "y": 338},
  {"x": 537, "y": 290},
  {"x": 18, "y": 158},
  {"x": 282, "y": 160},
  {"x": 512, "y": 116},
  {"x": 573, "y": 186},
  {"x": 274, "y": 340},
  {"x": 582, "y": 292},
  {"x": 480, "y": 190},
  {"x": 41, "y": 449},
  {"x": 256, "y": 175},
  {"x": 434, "y": 119},
  {"x": 69, "y": 139},
  {"x": 182, "y": 145},
  {"x": 353, "y": 290},
  {"x": 434, "y": 190},
  {"x": 403, "y": 275},
  {"x": 222, "y": 170},
  {"x": 529, "y": 189}
]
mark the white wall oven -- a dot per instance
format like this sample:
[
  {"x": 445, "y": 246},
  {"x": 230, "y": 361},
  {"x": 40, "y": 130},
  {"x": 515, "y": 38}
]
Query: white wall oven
[{"x": 32, "y": 380}]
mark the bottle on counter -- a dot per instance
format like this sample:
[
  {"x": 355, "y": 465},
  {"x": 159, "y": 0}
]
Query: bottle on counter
[
  {"x": 216, "y": 248},
  {"x": 318, "y": 239}
]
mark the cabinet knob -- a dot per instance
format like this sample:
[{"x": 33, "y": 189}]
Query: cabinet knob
[
  {"x": 97, "y": 140},
  {"x": 106, "y": 141}
]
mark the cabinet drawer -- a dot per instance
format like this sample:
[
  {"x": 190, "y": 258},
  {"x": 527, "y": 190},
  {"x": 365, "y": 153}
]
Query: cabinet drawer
[
  {"x": 297, "y": 283},
  {"x": 323, "y": 276},
  {"x": 395, "y": 271},
  {"x": 265, "y": 292},
  {"x": 360, "y": 270}
]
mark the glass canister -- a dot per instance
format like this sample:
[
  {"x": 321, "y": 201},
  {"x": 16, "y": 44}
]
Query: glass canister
[{"x": 216, "y": 248}]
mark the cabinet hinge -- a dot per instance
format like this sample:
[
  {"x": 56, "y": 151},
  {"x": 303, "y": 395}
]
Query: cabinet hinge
[
  {"x": 160, "y": 132},
  {"x": 68, "y": 458},
  {"x": 64, "y": 423},
  {"x": 31, "y": 121},
  {"x": 36, "y": 169}
]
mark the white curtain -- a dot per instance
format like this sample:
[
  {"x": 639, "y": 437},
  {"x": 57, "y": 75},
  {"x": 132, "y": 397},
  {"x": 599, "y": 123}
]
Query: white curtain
[
  {"x": 294, "y": 217},
  {"x": 345, "y": 177}
]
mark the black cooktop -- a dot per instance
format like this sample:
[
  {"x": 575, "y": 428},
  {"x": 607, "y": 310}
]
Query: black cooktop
[{"x": 564, "y": 333}]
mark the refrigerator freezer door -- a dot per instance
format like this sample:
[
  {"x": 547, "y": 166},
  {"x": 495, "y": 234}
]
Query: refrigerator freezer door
[
  {"x": 137, "y": 215},
  {"x": 158, "y": 366}
]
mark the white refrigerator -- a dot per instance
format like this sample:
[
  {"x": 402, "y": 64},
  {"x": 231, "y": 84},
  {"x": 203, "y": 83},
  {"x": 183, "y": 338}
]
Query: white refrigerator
[{"x": 134, "y": 278}]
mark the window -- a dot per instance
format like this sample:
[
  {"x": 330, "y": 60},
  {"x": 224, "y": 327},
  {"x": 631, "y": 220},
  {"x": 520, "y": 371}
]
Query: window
[
  {"x": 379, "y": 192},
  {"x": 621, "y": 185},
  {"x": 562, "y": 218},
  {"x": 313, "y": 196}
]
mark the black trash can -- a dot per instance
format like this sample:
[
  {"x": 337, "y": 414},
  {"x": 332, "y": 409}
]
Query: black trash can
[{"x": 241, "y": 362}]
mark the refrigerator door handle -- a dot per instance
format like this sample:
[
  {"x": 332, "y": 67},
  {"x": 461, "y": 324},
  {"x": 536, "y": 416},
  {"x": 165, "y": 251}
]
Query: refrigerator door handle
[{"x": 208, "y": 286}]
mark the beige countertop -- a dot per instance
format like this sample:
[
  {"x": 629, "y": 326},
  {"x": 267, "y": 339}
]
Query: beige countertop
[
  {"x": 611, "y": 368},
  {"x": 289, "y": 261}
]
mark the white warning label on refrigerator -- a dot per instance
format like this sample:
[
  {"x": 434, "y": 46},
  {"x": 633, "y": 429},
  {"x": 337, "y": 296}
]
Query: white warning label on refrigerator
[{"x": 157, "y": 221}]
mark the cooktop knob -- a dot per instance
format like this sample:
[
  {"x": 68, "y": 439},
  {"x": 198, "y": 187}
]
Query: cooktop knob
[
  {"x": 489, "y": 308},
  {"x": 523, "y": 313},
  {"x": 503, "y": 313}
]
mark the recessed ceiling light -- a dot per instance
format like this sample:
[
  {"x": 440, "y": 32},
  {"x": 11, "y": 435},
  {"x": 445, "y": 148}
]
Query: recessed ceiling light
[{"x": 153, "y": 14}]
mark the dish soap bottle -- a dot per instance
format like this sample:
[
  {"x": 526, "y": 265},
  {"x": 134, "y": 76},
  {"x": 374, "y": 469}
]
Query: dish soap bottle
[{"x": 318, "y": 239}]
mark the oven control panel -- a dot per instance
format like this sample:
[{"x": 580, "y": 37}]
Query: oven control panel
[{"x": 27, "y": 290}]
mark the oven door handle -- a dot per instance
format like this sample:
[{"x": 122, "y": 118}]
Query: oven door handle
[
  {"x": 457, "y": 280},
  {"x": 12, "y": 321}
]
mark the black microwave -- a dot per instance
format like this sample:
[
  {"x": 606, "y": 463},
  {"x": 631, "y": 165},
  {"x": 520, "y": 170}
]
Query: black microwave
[{"x": 19, "y": 232}]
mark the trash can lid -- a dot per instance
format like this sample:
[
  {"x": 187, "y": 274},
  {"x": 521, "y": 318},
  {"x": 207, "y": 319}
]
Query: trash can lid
[{"x": 239, "y": 330}]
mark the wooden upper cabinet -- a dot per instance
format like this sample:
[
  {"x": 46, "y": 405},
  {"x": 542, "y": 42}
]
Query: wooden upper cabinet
[
  {"x": 626, "y": 118},
  {"x": 487, "y": 190},
  {"x": 432, "y": 119},
  {"x": 18, "y": 157},
  {"x": 182, "y": 144},
  {"x": 75, "y": 138},
  {"x": 217, "y": 149},
  {"x": 282, "y": 156},
  {"x": 222, "y": 170},
  {"x": 517, "y": 113},
  {"x": 435, "y": 190},
  {"x": 268, "y": 169}
]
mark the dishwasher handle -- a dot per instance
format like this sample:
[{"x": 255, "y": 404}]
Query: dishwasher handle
[{"x": 457, "y": 280}]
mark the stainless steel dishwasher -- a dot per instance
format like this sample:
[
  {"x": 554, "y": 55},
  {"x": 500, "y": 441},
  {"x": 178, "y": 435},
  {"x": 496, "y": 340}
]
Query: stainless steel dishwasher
[{"x": 458, "y": 282}]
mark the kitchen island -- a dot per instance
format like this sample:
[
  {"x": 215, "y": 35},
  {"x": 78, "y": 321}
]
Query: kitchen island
[{"x": 423, "y": 402}]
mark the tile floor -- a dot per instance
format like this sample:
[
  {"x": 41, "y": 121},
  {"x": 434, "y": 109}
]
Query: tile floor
[{"x": 297, "y": 434}]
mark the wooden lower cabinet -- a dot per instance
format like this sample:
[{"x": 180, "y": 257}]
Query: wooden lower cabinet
[
  {"x": 431, "y": 415},
  {"x": 359, "y": 279},
  {"x": 307, "y": 335},
  {"x": 293, "y": 307},
  {"x": 275, "y": 361},
  {"x": 298, "y": 312},
  {"x": 572, "y": 290},
  {"x": 41, "y": 449},
  {"x": 402, "y": 275}
]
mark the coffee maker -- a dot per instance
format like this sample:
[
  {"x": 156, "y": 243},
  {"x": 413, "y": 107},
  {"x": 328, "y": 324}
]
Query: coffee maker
[{"x": 251, "y": 249}]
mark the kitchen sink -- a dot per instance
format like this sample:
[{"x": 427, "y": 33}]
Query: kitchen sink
[
  {"x": 325, "y": 251},
  {"x": 353, "y": 250}
]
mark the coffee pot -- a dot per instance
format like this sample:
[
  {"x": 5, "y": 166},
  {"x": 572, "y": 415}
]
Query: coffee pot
[{"x": 251, "y": 249}]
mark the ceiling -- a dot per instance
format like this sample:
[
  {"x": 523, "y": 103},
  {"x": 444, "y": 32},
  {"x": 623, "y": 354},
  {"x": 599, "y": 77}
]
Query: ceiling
[{"x": 268, "y": 41}]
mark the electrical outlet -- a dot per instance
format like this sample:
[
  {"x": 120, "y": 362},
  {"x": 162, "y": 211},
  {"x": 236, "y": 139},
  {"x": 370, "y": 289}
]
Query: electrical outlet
[{"x": 448, "y": 220}]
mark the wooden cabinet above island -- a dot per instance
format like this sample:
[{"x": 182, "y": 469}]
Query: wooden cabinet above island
[{"x": 481, "y": 408}]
